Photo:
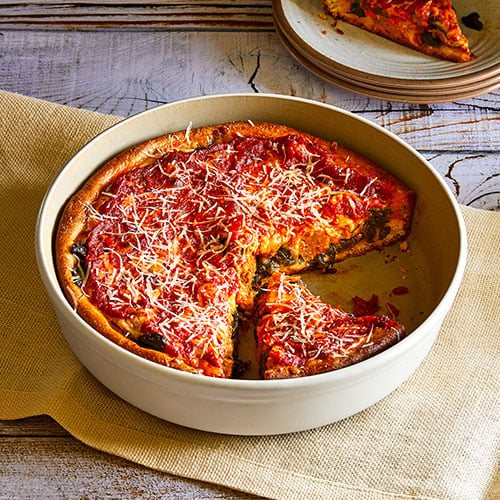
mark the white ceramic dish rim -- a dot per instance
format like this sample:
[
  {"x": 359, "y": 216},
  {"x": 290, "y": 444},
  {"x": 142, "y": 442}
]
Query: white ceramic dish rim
[{"x": 347, "y": 374}]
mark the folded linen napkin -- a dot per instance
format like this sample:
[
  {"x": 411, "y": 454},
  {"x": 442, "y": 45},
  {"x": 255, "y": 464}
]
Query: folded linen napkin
[{"x": 437, "y": 436}]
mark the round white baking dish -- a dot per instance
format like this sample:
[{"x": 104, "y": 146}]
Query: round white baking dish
[{"x": 258, "y": 407}]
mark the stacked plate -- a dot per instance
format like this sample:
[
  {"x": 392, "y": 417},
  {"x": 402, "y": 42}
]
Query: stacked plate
[{"x": 367, "y": 64}]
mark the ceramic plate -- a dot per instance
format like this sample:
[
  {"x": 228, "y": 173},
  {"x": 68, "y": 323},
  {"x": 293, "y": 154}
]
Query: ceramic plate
[
  {"x": 409, "y": 96},
  {"x": 367, "y": 56},
  {"x": 468, "y": 88}
]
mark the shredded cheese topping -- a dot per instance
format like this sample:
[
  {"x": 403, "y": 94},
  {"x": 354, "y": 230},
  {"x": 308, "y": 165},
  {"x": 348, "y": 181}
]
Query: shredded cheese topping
[
  {"x": 168, "y": 243},
  {"x": 298, "y": 328}
]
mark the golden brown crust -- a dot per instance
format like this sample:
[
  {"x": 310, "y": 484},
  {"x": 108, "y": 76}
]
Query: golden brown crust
[
  {"x": 73, "y": 220},
  {"x": 382, "y": 339}
]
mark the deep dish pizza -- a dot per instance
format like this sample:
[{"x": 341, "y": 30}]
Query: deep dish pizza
[
  {"x": 429, "y": 26},
  {"x": 169, "y": 242}
]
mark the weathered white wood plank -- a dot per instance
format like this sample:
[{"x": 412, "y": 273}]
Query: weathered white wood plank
[
  {"x": 62, "y": 467},
  {"x": 123, "y": 73},
  {"x": 439, "y": 129},
  {"x": 473, "y": 177},
  {"x": 236, "y": 14}
]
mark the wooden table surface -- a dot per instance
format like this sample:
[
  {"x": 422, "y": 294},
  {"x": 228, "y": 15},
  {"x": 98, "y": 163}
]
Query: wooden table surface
[{"x": 122, "y": 57}]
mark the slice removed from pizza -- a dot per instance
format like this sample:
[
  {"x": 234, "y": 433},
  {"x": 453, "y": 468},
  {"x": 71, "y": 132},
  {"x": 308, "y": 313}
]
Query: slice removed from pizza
[
  {"x": 429, "y": 26},
  {"x": 299, "y": 335}
]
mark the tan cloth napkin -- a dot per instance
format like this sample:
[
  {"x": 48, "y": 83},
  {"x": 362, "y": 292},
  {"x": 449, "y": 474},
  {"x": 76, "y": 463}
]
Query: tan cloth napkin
[{"x": 437, "y": 436}]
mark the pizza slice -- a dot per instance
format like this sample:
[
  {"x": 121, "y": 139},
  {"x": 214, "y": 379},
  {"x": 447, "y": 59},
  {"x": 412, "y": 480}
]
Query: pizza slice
[
  {"x": 429, "y": 26},
  {"x": 322, "y": 203},
  {"x": 299, "y": 335}
]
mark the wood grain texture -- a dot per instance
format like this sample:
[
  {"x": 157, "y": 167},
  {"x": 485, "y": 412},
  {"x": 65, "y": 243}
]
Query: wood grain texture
[
  {"x": 473, "y": 177},
  {"x": 166, "y": 15},
  {"x": 35, "y": 426},
  {"x": 66, "y": 468},
  {"x": 123, "y": 73}
]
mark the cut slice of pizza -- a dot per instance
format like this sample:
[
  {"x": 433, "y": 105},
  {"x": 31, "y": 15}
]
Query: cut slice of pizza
[
  {"x": 299, "y": 335},
  {"x": 429, "y": 26}
]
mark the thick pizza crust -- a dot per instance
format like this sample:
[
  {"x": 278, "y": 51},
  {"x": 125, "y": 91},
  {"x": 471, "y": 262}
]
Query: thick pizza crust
[
  {"x": 73, "y": 219},
  {"x": 381, "y": 339},
  {"x": 285, "y": 333}
]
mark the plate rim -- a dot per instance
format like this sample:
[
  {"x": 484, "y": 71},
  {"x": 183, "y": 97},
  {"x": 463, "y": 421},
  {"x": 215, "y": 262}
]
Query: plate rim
[
  {"x": 491, "y": 82},
  {"x": 380, "y": 93},
  {"x": 281, "y": 19}
]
